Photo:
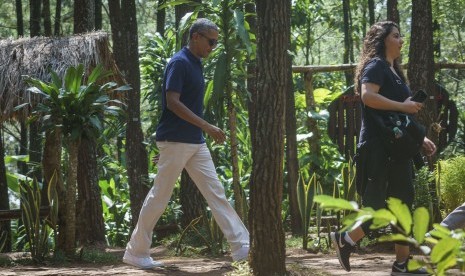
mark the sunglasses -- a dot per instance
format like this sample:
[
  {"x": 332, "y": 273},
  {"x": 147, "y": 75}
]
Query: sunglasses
[{"x": 211, "y": 41}]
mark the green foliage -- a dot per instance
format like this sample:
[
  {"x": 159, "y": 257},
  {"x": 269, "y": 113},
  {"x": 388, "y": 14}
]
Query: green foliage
[
  {"x": 36, "y": 229},
  {"x": 421, "y": 184},
  {"x": 451, "y": 182},
  {"x": 212, "y": 239},
  {"x": 305, "y": 195},
  {"x": 76, "y": 106},
  {"x": 447, "y": 250}
]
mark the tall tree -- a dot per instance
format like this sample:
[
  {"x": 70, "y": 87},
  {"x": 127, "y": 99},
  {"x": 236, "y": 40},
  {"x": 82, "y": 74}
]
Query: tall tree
[
  {"x": 57, "y": 23},
  {"x": 421, "y": 71},
  {"x": 123, "y": 22},
  {"x": 392, "y": 11},
  {"x": 267, "y": 240},
  {"x": 371, "y": 11},
  {"x": 98, "y": 14},
  {"x": 46, "y": 18},
  {"x": 34, "y": 19},
  {"x": 91, "y": 229},
  {"x": 348, "y": 43},
  {"x": 161, "y": 15},
  {"x": 84, "y": 16},
  {"x": 19, "y": 18}
]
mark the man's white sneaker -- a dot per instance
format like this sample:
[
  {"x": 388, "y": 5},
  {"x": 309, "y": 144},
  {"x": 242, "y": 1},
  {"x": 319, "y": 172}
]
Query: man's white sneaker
[
  {"x": 144, "y": 263},
  {"x": 241, "y": 254}
]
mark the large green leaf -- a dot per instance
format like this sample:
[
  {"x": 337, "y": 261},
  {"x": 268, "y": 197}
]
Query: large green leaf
[
  {"x": 395, "y": 238},
  {"x": 383, "y": 217},
  {"x": 402, "y": 212},
  {"x": 444, "y": 248},
  {"x": 241, "y": 30},
  {"x": 420, "y": 225},
  {"x": 331, "y": 203},
  {"x": 219, "y": 79}
]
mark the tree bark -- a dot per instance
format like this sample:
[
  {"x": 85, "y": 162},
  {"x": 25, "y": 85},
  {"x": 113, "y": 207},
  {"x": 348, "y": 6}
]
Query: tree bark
[
  {"x": 98, "y": 14},
  {"x": 46, "y": 18},
  {"x": 392, "y": 11},
  {"x": 84, "y": 16},
  {"x": 193, "y": 205},
  {"x": 57, "y": 24},
  {"x": 268, "y": 249},
  {"x": 51, "y": 164},
  {"x": 19, "y": 18},
  {"x": 161, "y": 16},
  {"x": 125, "y": 47},
  {"x": 5, "y": 226},
  {"x": 371, "y": 11},
  {"x": 34, "y": 19},
  {"x": 421, "y": 75},
  {"x": 70, "y": 212},
  {"x": 292, "y": 161},
  {"x": 348, "y": 45},
  {"x": 91, "y": 227}
]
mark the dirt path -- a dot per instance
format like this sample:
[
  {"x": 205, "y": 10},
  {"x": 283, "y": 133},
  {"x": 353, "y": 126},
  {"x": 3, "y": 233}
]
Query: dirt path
[{"x": 299, "y": 262}]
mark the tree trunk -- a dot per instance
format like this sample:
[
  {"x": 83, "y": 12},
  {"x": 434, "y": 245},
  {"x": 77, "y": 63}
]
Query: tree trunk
[
  {"x": 292, "y": 162},
  {"x": 161, "y": 16},
  {"x": 71, "y": 179},
  {"x": 371, "y": 11},
  {"x": 273, "y": 63},
  {"x": 51, "y": 164},
  {"x": 34, "y": 20},
  {"x": 35, "y": 147},
  {"x": 392, "y": 11},
  {"x": 191, "y": 209},
  {"x": 231, "y": 108},
  {"x": 19, "y": 18},
  {"x": 421, "y": 75},
  {"x": 84, "y": 16},
  {"x": 46, "y": 17},
  {"x": 91, "y": 228},
  {"x": 22, "y": 166},
  {"x": 348, "y": 45},
  {"x": 57, "y": 24},
  {"x": 125, "y": 48},
  {"x": 5, "y": 226},
  {"x": 98, "y": 14}
]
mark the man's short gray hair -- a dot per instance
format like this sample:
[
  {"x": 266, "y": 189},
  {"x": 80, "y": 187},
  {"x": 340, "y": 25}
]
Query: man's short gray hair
[{"x": 202, "y": 25}]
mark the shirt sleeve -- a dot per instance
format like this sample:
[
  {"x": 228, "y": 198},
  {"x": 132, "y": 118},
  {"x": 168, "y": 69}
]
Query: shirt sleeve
[
  {"x": 374, "y": 72},
  {"x": 175, "y": 75}
]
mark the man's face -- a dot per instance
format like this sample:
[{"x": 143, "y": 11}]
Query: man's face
[{"x": 205, "y": 42}]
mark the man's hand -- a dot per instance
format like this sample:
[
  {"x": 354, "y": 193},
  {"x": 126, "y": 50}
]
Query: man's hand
[{"x": 216, "y": 133}]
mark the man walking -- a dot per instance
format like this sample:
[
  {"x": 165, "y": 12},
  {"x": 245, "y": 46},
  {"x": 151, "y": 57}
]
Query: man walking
[{"x": 182, "y": 146}]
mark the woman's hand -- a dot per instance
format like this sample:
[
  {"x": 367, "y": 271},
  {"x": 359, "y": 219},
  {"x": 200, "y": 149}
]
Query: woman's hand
[
  {"x": 411, "y": 107},
  {"x": 428, "y": 147}
]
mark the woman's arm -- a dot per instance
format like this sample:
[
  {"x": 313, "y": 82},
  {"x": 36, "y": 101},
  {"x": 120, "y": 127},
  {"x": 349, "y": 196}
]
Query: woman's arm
[{"x": 372, "y": 98}]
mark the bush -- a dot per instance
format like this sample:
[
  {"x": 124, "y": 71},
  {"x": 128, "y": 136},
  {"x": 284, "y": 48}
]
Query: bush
[{"x": 451, "y": 182}]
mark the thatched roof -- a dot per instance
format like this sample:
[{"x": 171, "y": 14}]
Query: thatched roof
[{"x": 35, "y": 56}]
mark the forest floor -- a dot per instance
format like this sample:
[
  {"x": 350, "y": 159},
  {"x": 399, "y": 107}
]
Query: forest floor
[{"x": 370, "y": 262}]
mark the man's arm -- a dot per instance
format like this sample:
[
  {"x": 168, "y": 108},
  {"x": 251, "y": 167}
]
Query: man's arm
[{"x": 177, "y": 107}]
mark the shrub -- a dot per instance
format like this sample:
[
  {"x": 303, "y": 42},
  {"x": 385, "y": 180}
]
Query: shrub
[{"x": 451, "y": 182}]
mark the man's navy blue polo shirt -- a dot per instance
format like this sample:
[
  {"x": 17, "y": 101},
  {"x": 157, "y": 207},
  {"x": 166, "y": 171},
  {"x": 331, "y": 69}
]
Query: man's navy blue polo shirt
[{"x": 184, "y": 75}]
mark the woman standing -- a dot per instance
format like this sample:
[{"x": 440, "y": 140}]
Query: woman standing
[{"x": 380, "y": 82}]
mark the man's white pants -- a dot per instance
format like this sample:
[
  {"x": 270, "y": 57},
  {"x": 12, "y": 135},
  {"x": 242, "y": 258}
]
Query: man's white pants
[{"x": 197, "y": 161}]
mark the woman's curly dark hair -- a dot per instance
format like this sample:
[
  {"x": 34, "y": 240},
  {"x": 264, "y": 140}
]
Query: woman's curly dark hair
[{"x": 373, "y": 46}]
